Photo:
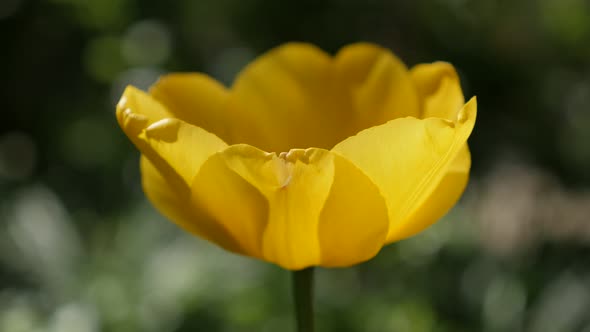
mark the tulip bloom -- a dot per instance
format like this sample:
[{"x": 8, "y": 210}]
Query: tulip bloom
[{"x": 308, "y": 159}]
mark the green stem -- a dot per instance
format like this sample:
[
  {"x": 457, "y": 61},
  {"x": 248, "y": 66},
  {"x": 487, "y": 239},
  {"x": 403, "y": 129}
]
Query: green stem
[{"x": 303, "y": 293}]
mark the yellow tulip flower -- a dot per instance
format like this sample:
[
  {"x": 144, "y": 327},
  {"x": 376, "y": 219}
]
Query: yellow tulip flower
[{"x": 308, "y": 159}]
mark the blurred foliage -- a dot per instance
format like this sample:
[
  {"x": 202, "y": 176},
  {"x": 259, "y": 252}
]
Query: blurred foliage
[{"x": 81, "y": 250}]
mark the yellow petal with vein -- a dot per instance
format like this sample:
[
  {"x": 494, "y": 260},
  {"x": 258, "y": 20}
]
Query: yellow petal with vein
[
  {"x": 287, "y": 99},
  {"x": 294, "y": 187},
  {"x": 167, "y": 168},
  {"x": 440, "y": 201},
  {"x": 408, "y": 158},
  {"x": 165, "y": 141},
  {"x": 354, "y": 221},
  {"x": 439, "y": 89},
  {"x": 173, "y": 200},
  {"x": 197, "y": 99},
  {"x": 379, "y": 82},
  {"x": 295, "y": 210}
]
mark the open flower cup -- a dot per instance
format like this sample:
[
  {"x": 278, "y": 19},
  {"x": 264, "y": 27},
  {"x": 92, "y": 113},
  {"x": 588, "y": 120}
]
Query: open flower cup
[{"x": 308, "y": 159}]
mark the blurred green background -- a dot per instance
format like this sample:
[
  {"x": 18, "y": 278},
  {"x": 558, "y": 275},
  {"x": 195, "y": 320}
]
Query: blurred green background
[{"x": 82, "y": 251}]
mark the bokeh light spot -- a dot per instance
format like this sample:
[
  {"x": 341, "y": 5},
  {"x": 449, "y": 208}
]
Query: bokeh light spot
[
  {"x": 103, "y": 60},
  {"x": 74, "y": 317},
  {"x": 147, "y": 43},
  {"x": 142, "y": 78}
]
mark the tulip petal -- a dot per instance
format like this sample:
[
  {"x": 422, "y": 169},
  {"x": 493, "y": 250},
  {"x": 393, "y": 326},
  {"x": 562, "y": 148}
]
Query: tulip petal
[
  {"x": 165, "y": 141},
  {"x": 167, "y": 168},
  {"x": 298, "y": 96},
  {"x": 442, "y": 199},
  {"x": 234, "y": 203},
  {"x": 144, "y": 112},
  {"x": 287, "y": 98},
  {"x": 408, "y": 158},
  {"x": 295, "y": 187},
  {"x": 439, "y": 89},
  {"x": 381, "y": 86},
  {"x": 195, "y": 98},
  {"x": 296, "y": 209},
  {"x": 354, "y": 221},
  {"x": 173, "y": 200}
]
